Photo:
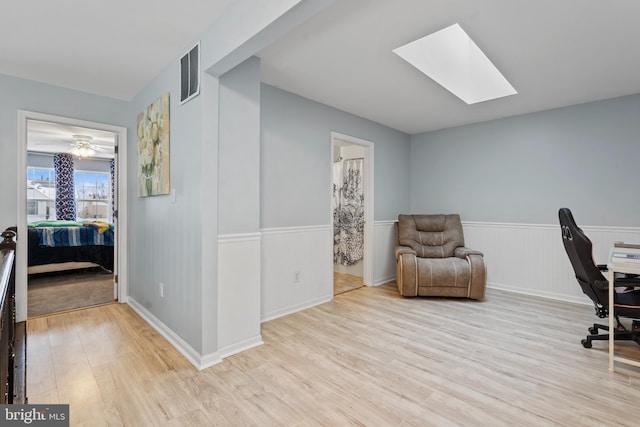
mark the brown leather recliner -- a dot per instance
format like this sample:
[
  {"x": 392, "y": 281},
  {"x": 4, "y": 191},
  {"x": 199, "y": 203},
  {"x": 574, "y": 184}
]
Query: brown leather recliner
[{"x": 431, "y": 259}]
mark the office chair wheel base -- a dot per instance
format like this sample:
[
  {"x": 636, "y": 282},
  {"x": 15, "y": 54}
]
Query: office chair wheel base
[
  {"x": 593, "y": 330},
  {"x": 586, "y": 343}
]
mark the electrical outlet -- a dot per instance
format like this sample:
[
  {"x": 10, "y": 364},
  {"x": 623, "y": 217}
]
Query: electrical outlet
[
  {"x": 161, "y": 289},
  {"x": 296, "y": 276}
]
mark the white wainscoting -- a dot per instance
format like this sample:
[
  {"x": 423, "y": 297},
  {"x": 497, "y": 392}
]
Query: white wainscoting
[
  {"x": 308, "y": 252},
  {"x": 530, "y": 258},
  {"x": 238, "y": 293},
  {"x": 297, "y": 269},
  {"x": 384, "y": 243}
]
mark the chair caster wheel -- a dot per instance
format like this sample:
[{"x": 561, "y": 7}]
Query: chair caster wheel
[
  {"x": 586, "y": 343},
  {"x": 593, "y": 330}
]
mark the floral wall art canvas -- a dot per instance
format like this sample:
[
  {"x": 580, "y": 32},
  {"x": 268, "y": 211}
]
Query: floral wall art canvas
[{"x": 153, "y": 148}]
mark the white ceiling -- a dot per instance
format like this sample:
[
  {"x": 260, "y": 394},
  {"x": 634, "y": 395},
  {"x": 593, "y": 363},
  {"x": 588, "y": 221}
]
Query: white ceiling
[
  {"x": 111, "y": 48},
  {"x": 555, "y": 53},
  {"x": 51, "y": 138}
]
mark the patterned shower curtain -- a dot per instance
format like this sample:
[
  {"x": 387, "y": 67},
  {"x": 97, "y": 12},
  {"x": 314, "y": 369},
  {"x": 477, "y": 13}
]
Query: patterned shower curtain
[
  {"x": 348, "y": 211},
  {"x": 65, "y": 187}
]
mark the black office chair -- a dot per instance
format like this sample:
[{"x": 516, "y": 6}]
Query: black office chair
[{"x": 596, "y": 286}]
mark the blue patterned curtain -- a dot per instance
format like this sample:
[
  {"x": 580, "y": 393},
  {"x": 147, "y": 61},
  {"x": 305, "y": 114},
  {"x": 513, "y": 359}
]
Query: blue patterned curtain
[
  {"x": 348, "y": 212},
  {"x": 112, "y": 170},
  {"x": 65, "y": 187}
]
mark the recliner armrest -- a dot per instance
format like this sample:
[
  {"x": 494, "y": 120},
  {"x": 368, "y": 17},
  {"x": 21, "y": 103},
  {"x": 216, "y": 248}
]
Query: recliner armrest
[
  {"x": 403, "y": 250},
  {"x": 463, "y": 252}
]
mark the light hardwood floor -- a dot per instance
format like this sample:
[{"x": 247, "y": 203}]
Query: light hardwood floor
[
  {"x": 369, "y": 357},
  {"x": 343, "y": 282}
]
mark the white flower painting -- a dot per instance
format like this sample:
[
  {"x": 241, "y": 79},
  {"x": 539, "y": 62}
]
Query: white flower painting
[{"x": 153, "y": 148}]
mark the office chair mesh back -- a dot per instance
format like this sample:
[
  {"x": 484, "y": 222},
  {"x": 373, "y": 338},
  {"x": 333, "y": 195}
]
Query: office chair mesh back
[{"x": 580, "y": 252}]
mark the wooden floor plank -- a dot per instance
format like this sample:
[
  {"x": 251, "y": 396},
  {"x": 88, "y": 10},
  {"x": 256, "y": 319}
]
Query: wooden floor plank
[{"x": 369, "y": 357}]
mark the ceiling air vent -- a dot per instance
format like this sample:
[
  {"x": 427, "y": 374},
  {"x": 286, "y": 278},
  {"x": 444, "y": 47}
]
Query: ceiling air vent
[{"x": 190, "y": 74}]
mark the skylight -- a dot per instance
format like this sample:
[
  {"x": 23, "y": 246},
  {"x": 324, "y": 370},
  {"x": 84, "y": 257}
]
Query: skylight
[{"x": 453, "y": 60}]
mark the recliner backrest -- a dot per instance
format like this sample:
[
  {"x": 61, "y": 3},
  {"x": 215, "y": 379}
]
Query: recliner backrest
[
  {"x": 431, "y": 236},
  {"x": 580, "y": 251}
]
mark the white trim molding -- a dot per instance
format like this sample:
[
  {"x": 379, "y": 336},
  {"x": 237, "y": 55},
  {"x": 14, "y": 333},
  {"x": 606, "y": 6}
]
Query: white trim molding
[
  {"x": 234, "y": 238},
  {"x": 368, "y": 187},
  {"x": 296, "y": 308},
  {"x": 121, "y": 227},
  {"x": 240, "y": 346},
  {"x": 200, "y": 362},
  {"x": 281, "y": 230}
]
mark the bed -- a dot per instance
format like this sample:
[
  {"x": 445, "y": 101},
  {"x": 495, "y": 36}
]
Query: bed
[{"x": 58, "y": 242}]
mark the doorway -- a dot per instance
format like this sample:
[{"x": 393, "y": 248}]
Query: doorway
[
  {"x": 351, "y": 212},
  {"x": 57, "y": 275}
]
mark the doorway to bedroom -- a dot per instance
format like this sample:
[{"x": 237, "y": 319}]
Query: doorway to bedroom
[
  {"x": 352, "y": 212},
  {"x": 70, "y": 215}
]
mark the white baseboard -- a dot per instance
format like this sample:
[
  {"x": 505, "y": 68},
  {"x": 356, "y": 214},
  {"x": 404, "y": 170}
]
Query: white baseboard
[
  {"x": 295, "y": 308},
  {"x": 200, "y": 362},
  {"x": 239, "y": 347},
  {"x": 384, "y": 280},
  {"x": 540, "y": 294}
]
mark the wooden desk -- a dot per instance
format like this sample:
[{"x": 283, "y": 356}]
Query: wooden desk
[{"x": 618, "y": 268}]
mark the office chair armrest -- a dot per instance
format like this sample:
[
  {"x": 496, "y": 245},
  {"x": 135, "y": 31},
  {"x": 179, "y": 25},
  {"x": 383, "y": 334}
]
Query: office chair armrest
[
  {"x": 603, "y": 285},
  {"x": 463, "y": 252},
  {"x": 634, "y": 278},
  {"x": 627, "y": 280},
  {"x": 620, "y": 281},
  {"x": 404, "y": 250}
]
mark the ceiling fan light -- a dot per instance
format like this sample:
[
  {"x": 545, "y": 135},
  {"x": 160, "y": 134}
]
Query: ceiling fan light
[
  {"x": 86, "y": 152},
  {"x": 82, "y": 147}
]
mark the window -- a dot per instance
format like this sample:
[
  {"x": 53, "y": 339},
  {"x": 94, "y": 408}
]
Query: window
[
  {"x": 92, "y": 193},
  {"x": 93, "y": 196},
  {"x": 41, "y": 194}
]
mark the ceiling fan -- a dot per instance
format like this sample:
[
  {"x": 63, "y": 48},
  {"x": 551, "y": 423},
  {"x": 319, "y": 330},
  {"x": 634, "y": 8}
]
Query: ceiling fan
[
  {"x": 82, "y": 146},
  {"x": 46, "y": 138},
  {"x": 79, "y": 145}
]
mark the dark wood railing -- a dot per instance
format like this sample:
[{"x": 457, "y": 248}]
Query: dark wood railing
[{"x": 13, "y": 337}]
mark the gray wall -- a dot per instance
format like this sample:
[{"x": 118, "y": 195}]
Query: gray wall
[
  {"x": 165, "y": 237},
  {"x": 20, "y": 94},
  {"x": 522, "y": 169},
  {"x": 296, "y": 161},
  {"x": 239, "y": 149}
]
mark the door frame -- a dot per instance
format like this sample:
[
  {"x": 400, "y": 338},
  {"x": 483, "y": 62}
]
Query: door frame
[
  {"x": 368, "y": 201},
  {"x": 120, "y": 248}
]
